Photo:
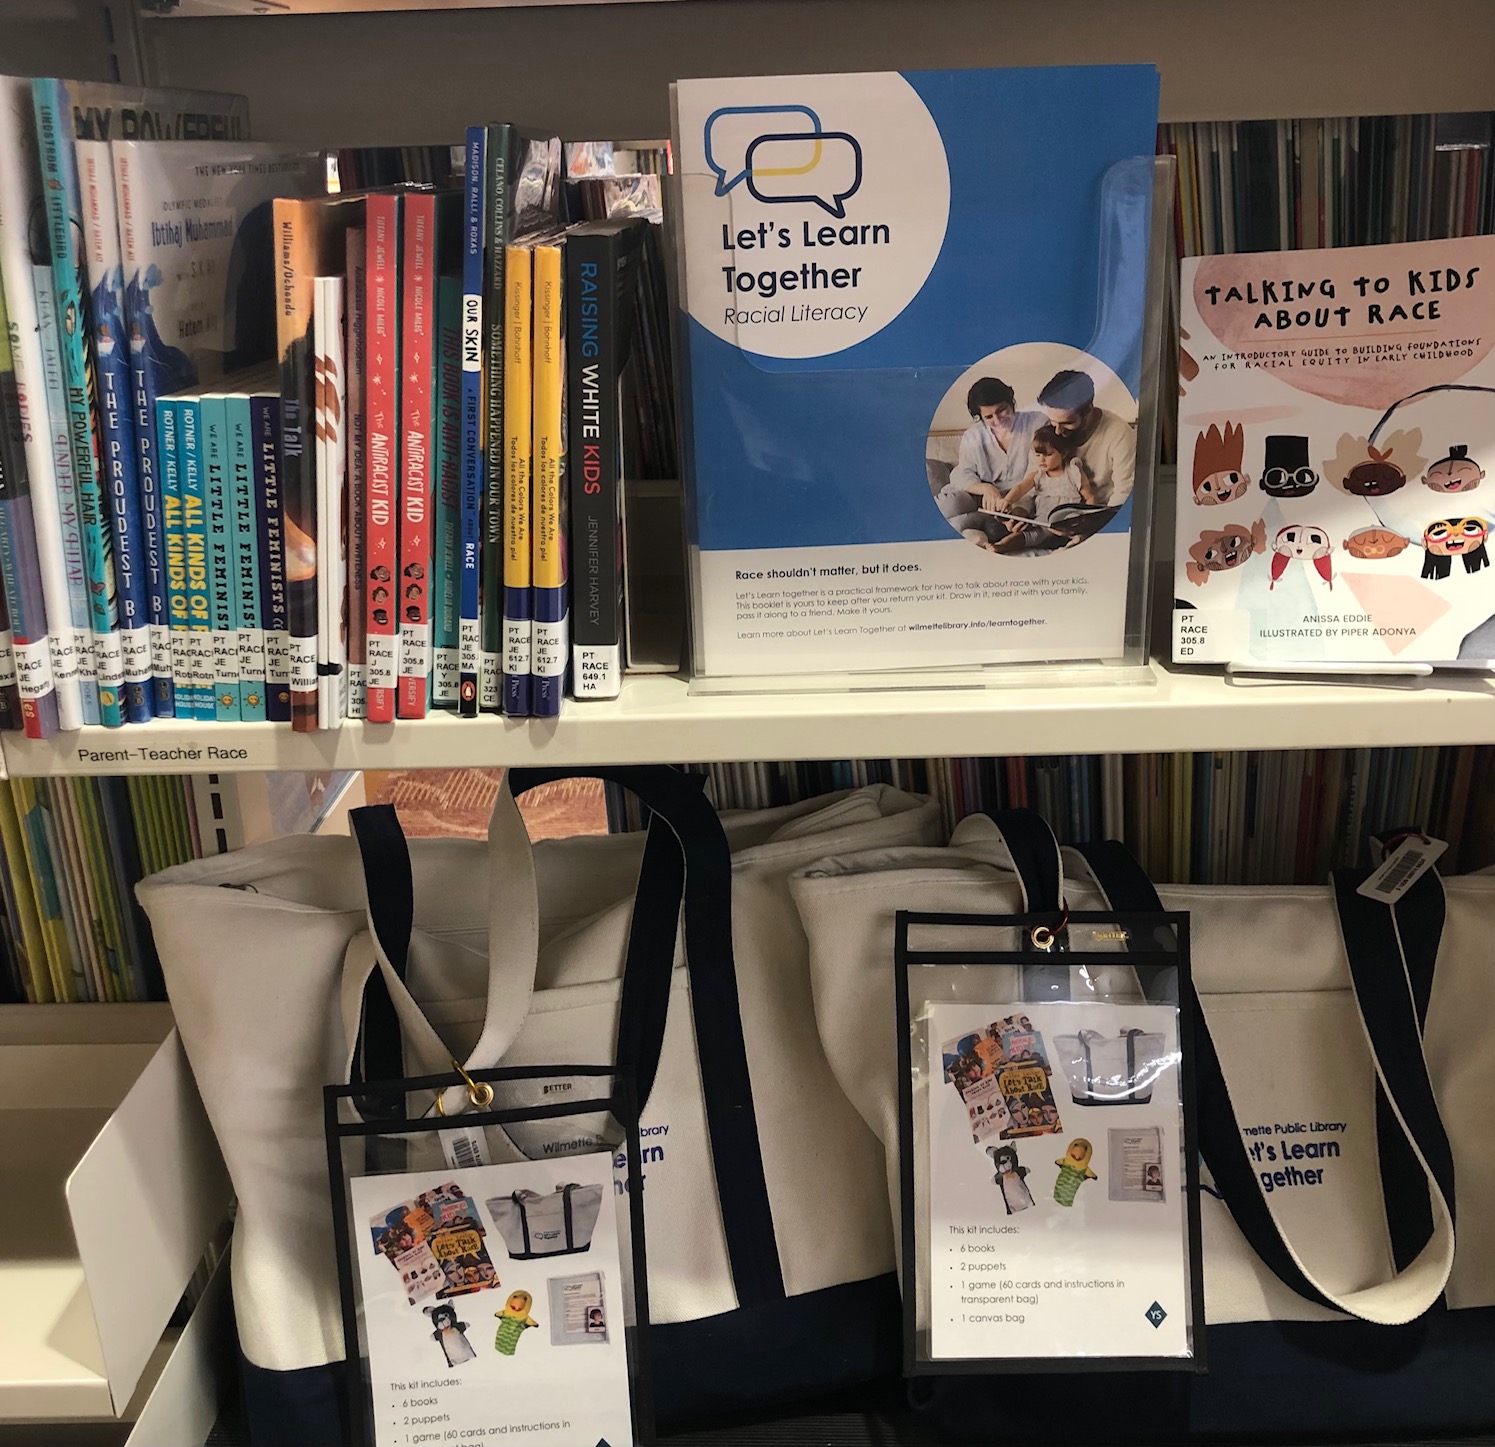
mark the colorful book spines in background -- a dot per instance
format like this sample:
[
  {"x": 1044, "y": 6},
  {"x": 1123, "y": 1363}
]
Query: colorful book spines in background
[
  {"x": 552, "y": 644},
  {"x": 518, "y": 384}
]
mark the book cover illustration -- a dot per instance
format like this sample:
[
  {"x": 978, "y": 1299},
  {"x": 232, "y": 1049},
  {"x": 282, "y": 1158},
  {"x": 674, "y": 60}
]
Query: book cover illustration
[
  {"x": 1002, "y": 1073},
  {"x": 1336, "y": 425},
  {"x": 913, "y": 411}
]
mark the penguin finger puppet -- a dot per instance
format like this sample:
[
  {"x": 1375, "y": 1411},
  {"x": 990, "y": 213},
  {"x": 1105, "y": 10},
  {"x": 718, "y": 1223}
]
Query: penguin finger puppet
[
  {"x": 512, "y": 1321},
  {"x": 1074, "y": 1171},
  {"x": 1010, "y": 1179},
  {"x": 447, "y": 1331}
]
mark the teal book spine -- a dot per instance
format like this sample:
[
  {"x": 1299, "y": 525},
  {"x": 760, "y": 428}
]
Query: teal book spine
[
  {"x": 195, "y": 539},
  {"x": 246, "y": 559},
  {"x": 218, "y": 519},
  {"x": 174, "y": 549}
]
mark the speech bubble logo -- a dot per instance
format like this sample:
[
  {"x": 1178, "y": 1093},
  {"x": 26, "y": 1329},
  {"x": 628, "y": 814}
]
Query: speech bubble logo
[
  {"x": 820, "y": 166},
  {"x": 731, "y": 130}
]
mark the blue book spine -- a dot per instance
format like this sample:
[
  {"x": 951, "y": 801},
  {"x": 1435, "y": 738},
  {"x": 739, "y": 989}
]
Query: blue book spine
[
  {"x": 218, "y": 521},
  {"x": 65, "y": 224},
  {"x": 246, "y": 559},
  {"x": 195, "y": 543},
  {"x": 106, "y": 305},
  {"x": 67, "y": 496},
  {"x": 446, "y": 576},
  {"x": 174, "y": 555},
  {"x": 469, "y": 639},
  {"x": 264, "y": 414}
]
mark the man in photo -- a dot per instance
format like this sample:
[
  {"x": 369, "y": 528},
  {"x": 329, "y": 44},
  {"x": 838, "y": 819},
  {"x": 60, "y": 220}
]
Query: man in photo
[
  {"x": 1105, "y": 444},
  {"x": 993, "y": 457}
]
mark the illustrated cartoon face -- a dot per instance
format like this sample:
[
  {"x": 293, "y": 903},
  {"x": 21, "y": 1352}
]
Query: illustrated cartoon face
[
  {"x": 1375, "y": 477},
  {"x": 1458, "y": 472},
  {"x": 1227, "y": 548},
  {"x": 1078, "y": 1154},
  {"x": 1302, "y": 542},
  {"x": 1375, "y": 543},
  {"x": 518, "y": 1304},
  {"x": 1218, "y": 459},
  {"x": 1452, "y": 536}
]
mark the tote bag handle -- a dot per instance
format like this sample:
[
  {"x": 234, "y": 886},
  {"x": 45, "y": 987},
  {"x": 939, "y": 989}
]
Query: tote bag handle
[
  {"x": 1382, "y": 978},
  {"x": 687, "y": 865}
]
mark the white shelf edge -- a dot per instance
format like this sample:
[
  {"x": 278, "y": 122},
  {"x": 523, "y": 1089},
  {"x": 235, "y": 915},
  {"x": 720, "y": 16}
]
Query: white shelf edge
[{"x": 657, "y": 719}]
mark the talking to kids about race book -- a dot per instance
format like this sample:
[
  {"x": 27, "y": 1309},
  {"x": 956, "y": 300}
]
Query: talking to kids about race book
[
  {"x": 1336, "y": 429},
  {"x": 914, "y": 356}
]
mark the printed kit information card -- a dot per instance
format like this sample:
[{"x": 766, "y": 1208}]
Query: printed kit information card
[
  {"x": 493, "y": 1301},
  {"x": 1057, "y": 1202}
]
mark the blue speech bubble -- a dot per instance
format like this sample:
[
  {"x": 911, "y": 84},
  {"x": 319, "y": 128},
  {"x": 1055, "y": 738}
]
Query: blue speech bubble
[
  {"x": 723, "y": 183},
  {"x": 835, "y": 204}
]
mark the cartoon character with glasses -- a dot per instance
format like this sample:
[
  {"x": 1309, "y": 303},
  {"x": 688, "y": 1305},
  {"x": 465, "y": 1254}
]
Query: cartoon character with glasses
[{"x": 1287, "y": 473}]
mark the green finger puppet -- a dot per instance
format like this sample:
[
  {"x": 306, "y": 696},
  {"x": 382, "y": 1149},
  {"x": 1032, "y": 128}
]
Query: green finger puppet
[
  {"x": 512, "y": 1321},
  {"x": 1074, "y": 1171}
]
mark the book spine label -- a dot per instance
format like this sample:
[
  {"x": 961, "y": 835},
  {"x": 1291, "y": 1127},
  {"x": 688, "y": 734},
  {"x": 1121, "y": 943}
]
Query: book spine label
[
  {"x": 592, "y": 287},
  {"x": 246, "y": 559},
  {"x": 382, "y": 399},
  {"x": 190, "y": 454},
  {"x": 174, "y": 538},
  {"x": 518, "y": 383},
  {"x": 117, "y": 421},
  {"x": 20, "y": 198},
  {"x": 498, "y": 227},
  {"x": 264, "y": 413},
  {"x": 65, "y": 221},
  {"x": 221, "y": 526},
  {"x": 417, "y": 362},
  {"x": 551, "y": 635},
  {"x": 446, "y": 546},
  {"x": 356, "y": 508},
  {"x": 477, "y": 307},
  {"x": 70, "y": 535}
]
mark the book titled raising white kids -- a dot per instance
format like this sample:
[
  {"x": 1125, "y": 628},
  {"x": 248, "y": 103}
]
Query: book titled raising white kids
[
  {"x": 1336, "y": 429},
  {"x": 914, "y": 333}
]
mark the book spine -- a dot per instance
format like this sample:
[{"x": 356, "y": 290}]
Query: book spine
[
  {"x": 70, "y": 534},
  {"x": 221, "y": 527},
  {"x": 356, "y": 606},
  {"x": 295, "y": 304},
  {"x": 264, "y": 412},
  {"x": 382, "y": 400},
  {"x": 593, "y": 363},
  {"x": 190, "y": 458},
  {"x": 26, "y": 681},
  {"x": 497, "y": 224},
  {"x": 551, "y": 647},
  {"x": 518, "y": 383},
  {"x": 446, "y": 548},
  {"x": 20, "y": 195},
  {"x": 12, "y": 716},
  {"x": 472, "y": 533},
  {"x": 111, "y": 354},
  {"x": 253, "y": 675},
  {"x": 417, "y": 366},
  {"x": 145, "y": 389},
  {"x": 332, "y": 489},
  {"x": 65, "y": 221},
  {"x": 174, "y": 552}
]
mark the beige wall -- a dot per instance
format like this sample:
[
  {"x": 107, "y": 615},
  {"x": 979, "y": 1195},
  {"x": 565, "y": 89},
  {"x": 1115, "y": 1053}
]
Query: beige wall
[{"x": 603, "y": 70}]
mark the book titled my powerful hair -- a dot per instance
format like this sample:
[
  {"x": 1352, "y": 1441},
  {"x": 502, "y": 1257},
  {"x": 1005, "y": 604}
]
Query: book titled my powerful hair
[{"x": 914, "y": 356}]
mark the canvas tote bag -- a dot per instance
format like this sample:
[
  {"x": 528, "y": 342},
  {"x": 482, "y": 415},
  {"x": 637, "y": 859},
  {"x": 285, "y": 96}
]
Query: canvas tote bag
[{"x": 499, "y": 953}]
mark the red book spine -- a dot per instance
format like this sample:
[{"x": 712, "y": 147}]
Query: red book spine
[
  {"x": 382, "y": 454},
  {"x": 417, "y": 360}
]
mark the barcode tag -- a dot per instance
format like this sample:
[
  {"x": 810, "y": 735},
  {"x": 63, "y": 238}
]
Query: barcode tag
[
  {"x": 1401, "y": 869},
  {"x": 464, "y": 1147}
]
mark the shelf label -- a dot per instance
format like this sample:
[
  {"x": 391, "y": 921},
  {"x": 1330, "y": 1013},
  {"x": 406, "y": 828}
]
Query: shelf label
[{"x": 1220, "y": 635}]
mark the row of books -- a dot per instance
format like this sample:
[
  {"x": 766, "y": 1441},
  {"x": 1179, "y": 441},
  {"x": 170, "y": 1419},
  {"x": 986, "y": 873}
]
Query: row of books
[
  {"x": 270, "y": 450},
  {"x": 74, "y": 849},
  {"x": 1285, "y": 816}
]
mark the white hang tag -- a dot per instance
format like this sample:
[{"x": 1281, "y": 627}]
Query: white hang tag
[
  {"x": 464, "y": 1146},
  {"x": 1402, "y": 868}
]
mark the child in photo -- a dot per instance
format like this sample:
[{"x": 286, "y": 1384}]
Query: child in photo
[{"x": 1058, "y": 479}]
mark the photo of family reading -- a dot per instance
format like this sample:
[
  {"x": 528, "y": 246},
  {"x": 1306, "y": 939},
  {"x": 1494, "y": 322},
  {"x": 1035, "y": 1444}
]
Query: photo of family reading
[{"x": 1029, "y": 478}]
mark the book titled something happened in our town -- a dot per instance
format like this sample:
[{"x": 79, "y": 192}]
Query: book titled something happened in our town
[
  {"x": 914, "y": 318},
  {"x": 1336, "y": 429}
]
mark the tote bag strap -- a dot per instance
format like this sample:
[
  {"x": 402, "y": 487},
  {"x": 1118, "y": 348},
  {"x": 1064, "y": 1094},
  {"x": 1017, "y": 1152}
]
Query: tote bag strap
[
  {"x": 1414, "y": 1288},
  {"x": 1039, "y": 867}
]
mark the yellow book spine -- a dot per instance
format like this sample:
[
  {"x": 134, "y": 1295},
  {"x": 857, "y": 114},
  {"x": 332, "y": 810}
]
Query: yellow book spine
[
  {"x": 29, "y": 922},
  {"x": 517, "y": 403},
  {"x": 550, "y": 440}
]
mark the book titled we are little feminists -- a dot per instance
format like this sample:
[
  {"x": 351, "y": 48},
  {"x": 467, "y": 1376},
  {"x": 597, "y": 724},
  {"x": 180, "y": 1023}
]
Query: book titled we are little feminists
[{"x": 913, "y": 412}]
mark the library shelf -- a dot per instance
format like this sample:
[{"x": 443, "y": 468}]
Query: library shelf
[{"x": 661, "y": 719}]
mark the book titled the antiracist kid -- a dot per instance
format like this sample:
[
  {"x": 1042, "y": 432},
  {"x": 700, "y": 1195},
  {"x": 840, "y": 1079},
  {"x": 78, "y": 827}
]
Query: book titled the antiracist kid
[
  {"x": 1336, "y": 428},
  {"x": 915, "y": 322}
]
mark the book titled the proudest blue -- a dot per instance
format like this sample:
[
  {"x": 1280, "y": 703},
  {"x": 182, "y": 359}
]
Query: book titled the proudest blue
[{"x": 914, "y": 331}]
